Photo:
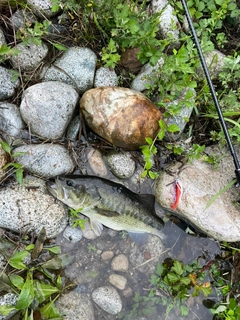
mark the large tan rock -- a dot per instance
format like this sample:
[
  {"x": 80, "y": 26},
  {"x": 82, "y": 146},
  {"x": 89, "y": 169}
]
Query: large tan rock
[
  {"x": 200, "y": 183},
  {"x": 122, "y": 116}
]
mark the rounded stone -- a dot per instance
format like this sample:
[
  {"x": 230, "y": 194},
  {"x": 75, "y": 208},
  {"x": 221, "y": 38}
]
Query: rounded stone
[
  {"x": 118, "y": 281},
  {"x": 42, "y": 8},
  {"x": 107, "y": 255},
  {"x": 200, "y": 183},
  {"x": 29, "y": 207},
  {"x": 11, "y": 123},
  {"x": 145, "y": 76},
  {"x": 75, "y": 306},
  {"x": 96, "y": 162},
  {"x": 105, "y": 77},
  {"x": 2, "y": 37},
  {"x": 45, "y": 160},
  {"x": 48, "y": 108},
  {"x": 121, "y": 164},
  {"x": 108, "y": 299},
  {"x": 30, "y": 56},
  {"x": 72, "y": 234},
  {"x": 7, "y": 85},
  {"x": 75, "y": 67},
  {"x": 120, "y": 263},
  {"x": 122, "y": 116}
]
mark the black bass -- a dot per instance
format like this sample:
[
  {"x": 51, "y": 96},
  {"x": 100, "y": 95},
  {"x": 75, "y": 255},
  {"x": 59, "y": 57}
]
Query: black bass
[{"x": 107, "y": 203}]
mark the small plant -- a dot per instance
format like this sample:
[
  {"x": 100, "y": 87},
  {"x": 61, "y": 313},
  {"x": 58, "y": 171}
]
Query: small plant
[
  {"x": 6, "y": 52},
  {"x": 18, "y": 168},
  {"x": 34, "y": 293},
  {"x": 74, "y": 216},
  {"x": 172, "y": 284},
  {"x": 90, "y": 247}
]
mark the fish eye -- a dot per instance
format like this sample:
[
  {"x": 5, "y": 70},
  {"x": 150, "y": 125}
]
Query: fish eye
[{"x": 69, "y": 183}]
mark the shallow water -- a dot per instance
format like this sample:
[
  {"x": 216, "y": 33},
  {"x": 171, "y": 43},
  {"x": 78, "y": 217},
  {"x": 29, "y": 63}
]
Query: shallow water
[{"x": 89, "y": 270}]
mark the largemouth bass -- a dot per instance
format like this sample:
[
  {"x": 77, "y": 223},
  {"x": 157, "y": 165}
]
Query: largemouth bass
[{"x": 107, "y": 203}]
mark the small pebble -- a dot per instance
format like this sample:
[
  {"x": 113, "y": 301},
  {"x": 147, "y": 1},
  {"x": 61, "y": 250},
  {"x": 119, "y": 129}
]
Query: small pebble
[{"x": 120, "y": 263}]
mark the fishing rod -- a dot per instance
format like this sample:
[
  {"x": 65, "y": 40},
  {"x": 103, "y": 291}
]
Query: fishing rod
[{"x": 210, "y": 84}]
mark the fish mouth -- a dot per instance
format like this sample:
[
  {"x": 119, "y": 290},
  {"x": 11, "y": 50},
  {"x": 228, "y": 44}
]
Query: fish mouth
[{"x": 56, "y": 189}]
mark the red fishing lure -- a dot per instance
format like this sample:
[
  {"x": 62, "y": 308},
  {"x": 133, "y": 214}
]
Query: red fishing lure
[{"x": 178, "y": 194}]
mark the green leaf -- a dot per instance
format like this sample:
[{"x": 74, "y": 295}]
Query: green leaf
[
  {"x": 19, "y": 176},
  {"x": 16, "y": 260},
  {"x": 149, "y": 140},
  {"x": 55, "y": 249},
  {"x": 55, "y": 7},
  {"x": 6, "y": 309},
  {"x": 60, "y": 47},
  {"x": 177, "y": 267},
  {"x": 49, "y": 311},
  {"x": 6, "y": 147},
  {"x": 16, "y": 280},
  {"x": 153, "y": 175},
  {"x": 29, "y": 247},
  {"x": 43, "y": 291},
  {"x": 161, "y": 134},
  {"x": 173, "y": 128},
  {"x": 27, "y": 293},
  {"x": 172, "y": 277},
  {"x": 162, "y": 124},
  {"x": 58, "y": 262},
  {"x": 185, "y": 280},
  {"x": 184, "y": 310}
]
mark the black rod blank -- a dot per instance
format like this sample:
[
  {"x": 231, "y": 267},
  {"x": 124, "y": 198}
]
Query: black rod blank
[{"x": 205, "y": 69}]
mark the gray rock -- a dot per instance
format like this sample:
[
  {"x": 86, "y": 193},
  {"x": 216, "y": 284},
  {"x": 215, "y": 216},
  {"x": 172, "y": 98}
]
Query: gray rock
[
  {"x": 105, "y": 77},
  {"x": 48, "y": 107},
  {"x": 72, "y": 234},
  {"x": 20, "y": 17},
  {"x": 8, "y": 299},
  {"x": 73, "y": 128},
  {"x": 7, "y": 85},
  {"x": 45, "y": 160},
  {"x": 2, "y": 38},
  {"x": 168, "y": 26},
  {"x": 11, "y": 123},
  {"x": 30, "y": 56},
  {"x": 215, "y": 63},
  {"x": 200, "y": 182},
  {"x": 42, "y": 8},
  {"x": 145, "y": 76},
  {"x": 29, "y": 207},
  {"x": 181, "y": 118},
  {"x": 75, "y": 306},
  {"x": 76, "y": 67},
  {"x": 120, "y": 263},
  {"x": 108, "y": 299},
  {"x": 118, "y": 281},
  {"x": 121, "y": 164}
]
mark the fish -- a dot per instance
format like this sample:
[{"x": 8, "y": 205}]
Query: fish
[
  {"x": 178, "y": 194},
  {"x": 108, "y": 203}
]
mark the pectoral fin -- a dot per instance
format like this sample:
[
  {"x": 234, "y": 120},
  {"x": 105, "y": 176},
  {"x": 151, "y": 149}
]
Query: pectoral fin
[
  {"x": 107, "y": 213},
  {"x": 97, "y": 227}
]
